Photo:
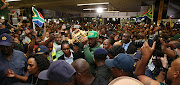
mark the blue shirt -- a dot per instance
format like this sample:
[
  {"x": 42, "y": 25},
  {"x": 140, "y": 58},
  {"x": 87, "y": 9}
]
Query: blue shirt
[
  {"x": 125, "y": 46},
  {"x": 17, "y": 63}
]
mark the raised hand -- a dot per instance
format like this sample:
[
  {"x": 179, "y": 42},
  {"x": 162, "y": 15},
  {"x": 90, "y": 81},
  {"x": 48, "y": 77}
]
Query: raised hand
[
  {"x": 146, "y": 50},
  {"x": 10, "y": 73},
  {"x": 163, "y": 45},
  {"x": 164, "y": 61}
]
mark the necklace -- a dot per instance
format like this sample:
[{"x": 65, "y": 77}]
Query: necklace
[{"x": 32, "y": 81}]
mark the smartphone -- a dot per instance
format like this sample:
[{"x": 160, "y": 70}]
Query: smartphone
[
  {"x": 24, "y": 18},
  {"x": 62, "y": 33},
  {"x": 76, "y": 26}
]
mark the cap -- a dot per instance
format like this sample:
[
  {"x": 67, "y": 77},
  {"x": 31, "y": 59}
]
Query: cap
[
  {"x": 6, "y": 39},
  {"x": 125, "y": 80},
  {"x": 137, "y": 55},
  {"x": 93, "y": 34},
  {"x": 41, "y": 49},
  {"x": 123, "y": 61},
  {"x": 59, "y": 71},
  {"x": 100, "y": 51}
]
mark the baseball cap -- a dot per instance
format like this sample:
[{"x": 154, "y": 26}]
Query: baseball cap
[
  {"x": 59, "y": 71},
  {"x": 41, "y": 49},
  {"x": 137, "y": 55},
  {"x": 6, "y": 39},
  {"x": 125, "y": 80},
  {"x": 93, "y": 34},
  {"x": 100, "y": 51},
  {"x": 123, "y": 61}
]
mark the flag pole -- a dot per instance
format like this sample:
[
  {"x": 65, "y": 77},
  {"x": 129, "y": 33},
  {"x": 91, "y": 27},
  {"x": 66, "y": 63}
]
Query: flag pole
[
  {"x": 34, "y": 26},
  {"x": 152, "y": 13}
]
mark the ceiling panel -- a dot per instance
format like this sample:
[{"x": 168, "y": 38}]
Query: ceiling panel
[{"x": 71, "y": 5}]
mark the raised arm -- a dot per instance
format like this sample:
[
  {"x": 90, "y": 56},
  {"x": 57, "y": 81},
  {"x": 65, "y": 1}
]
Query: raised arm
[
  {"x": 169, "y": 52},
  {"x": 164, "y": 61},
  {"x": 31, "y": 45},
  {"x": 44, "y": 32},
  {"x": 51, "y": 38},
  {"x": 147, "y": 52},
  {"x": 4, "y": 6},
  {"x": 11, "y": 74}
]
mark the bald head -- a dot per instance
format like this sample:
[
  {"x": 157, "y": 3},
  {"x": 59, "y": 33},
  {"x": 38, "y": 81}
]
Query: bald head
[
  {"x": 81, "y": 65},
  {"x": 173, "y": 73},
  {"x": 176, "y": 64},
  {"x": 117, "y": 43}
]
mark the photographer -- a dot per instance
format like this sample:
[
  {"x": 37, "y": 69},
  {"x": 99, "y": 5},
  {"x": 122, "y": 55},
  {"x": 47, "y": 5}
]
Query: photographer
[{"x": 173, "y": 72}]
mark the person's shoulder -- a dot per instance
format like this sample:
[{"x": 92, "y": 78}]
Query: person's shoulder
[
  {"x": 99, "y": 80},
  {"x": 61, "y": 57},
  {"x": 132, "y": 45},
  {"x": 19, "y": 53}
]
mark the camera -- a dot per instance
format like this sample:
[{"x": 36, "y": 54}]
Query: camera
[{"x": 157, "y": 51}]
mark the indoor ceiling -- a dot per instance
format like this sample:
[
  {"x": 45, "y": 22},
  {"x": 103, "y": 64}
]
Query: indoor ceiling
[{"x": 71, "y": 5}]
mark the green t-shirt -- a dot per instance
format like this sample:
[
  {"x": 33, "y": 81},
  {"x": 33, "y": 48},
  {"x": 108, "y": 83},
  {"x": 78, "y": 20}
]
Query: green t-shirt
[
  {"x": 4, "y": 12},
  {"x": 58, "y": 52},
  {"x": 89, "y": 55}
]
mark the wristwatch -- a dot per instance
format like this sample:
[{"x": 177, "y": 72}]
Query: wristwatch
[
  {"x": 176, "y": 54},
  {"x": 163, "y": 69}
]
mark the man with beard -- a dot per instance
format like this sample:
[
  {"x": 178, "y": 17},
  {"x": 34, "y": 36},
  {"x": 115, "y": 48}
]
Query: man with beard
[
  {"x": 57, "y": 45},
  {"x": 127, "y": 45},
  {"x": 173, "y": 73},
  {"x": 90, "y": 48},
  {"x": 10, "y": 59}
]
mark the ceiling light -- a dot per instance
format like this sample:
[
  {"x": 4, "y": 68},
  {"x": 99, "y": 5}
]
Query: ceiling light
[
  {"x": 99, "y": 10},
  {"x": 11, "y": 0},
  {"x": 94, "y": 9},
  {"x": 179, "y": 20},
  {"x": 104, "y": 3}
]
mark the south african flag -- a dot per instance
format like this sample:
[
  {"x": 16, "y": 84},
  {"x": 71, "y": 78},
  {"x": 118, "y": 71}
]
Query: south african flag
[
  {"x": 148, "y": 14},
  {"x": 37, "y": 18}
]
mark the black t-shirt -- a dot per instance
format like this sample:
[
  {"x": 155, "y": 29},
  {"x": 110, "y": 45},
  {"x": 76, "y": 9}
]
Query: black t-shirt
[
  {"x": 103, "y": 75},
  {"x": 36, "y": 81}
]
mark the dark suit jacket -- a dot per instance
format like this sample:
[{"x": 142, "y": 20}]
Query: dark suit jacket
[
  {"x": 131, "y": 49},
  {"x": 75, "y": 56}
]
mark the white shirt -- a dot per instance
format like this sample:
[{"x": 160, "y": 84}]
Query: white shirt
[
  {"x": 45, "y": 39},
  {"x": 70, "y": 59},
  {"x": 125, "y": 46}
]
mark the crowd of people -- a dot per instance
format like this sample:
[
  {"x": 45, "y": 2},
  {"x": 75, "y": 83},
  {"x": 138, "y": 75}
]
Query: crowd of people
[{"x": 80, "y": 54}]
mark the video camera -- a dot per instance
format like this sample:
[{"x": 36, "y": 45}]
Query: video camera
[{"x": 157, "y": 51}]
